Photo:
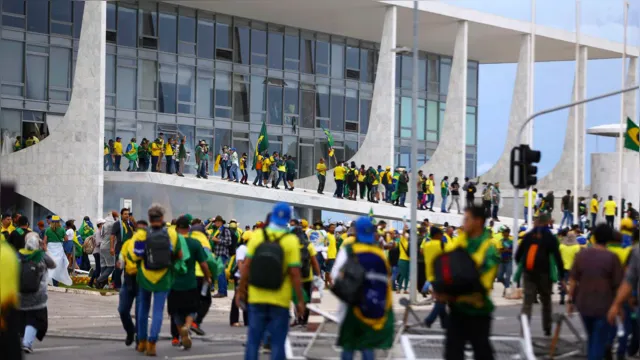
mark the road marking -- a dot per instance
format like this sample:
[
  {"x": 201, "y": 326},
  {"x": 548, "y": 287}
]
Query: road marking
[
  {"x": 57, "y": 348},
  {"x": 84, "y": 317},
  {"x": 209, "y": 356}
]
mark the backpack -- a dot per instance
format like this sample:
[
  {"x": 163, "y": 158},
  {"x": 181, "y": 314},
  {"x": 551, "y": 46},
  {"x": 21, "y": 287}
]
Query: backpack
[
  {"x": 385, "y": 178},
  {"x": 267, "y": 264},
  {"x": 89, "y": 245},
  {"x": 157, "y": 250},
  {"x": 486, "y": 195},
  {"x": 349, "y": 284},
  {"x": 30, "y": 276},
  {"x": 456, "y": 273}
]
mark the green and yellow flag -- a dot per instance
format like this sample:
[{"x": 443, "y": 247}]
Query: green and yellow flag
[
  {"x": 632, "y": 136},
  {"x": 261, "y": 145},
  {"x": 329, "y": 141}
]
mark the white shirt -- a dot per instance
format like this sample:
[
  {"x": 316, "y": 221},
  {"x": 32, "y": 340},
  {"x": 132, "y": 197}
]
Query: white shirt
[
  {"x": 69, "y": 234},
  {"x": 241, "y": 254}
]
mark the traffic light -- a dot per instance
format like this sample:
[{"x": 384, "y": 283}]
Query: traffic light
[{"x": 523, "y": 171}]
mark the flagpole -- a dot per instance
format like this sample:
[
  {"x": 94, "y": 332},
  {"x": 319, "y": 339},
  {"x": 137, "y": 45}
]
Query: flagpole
[
  {"x": 413, "y": 244},
  {"x": 625, "y": 4},
  {"x": 532, "y": 58},
  {"x": 576, "y": 116}
]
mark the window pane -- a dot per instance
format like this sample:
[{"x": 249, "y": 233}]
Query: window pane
[
  {"x": 337, "y": 112},
  {"x": 240, "y": 102},
  {"x": 11, "y": 120},
  {"x": 242, "y": 44},
  {"x": 421, "y": 121},
  {"x": 350, "y": 149},
  {"x": 322, "y": 58},
  {"x": 365, "y": 111},
  {"x": 471, "y": 129},
  {"x": 78, "y": 10},
  {"x": 442, "y": 107},
  {"x": 38, "y": 16},
  {"x": 11, "y": 58},
  {"x": 187, "y": 28},
  {"x": 291, "y": 100},
  {"x": 352, "y": 108},
  {"x": 353, "y": 58},
  {"x": 472, "y": 82},
  {"x": 61, "y": 10},
  {"x": 205, "y": 38},
  {"x": 13, "y": 6},
  {"x": 367, "y": 65},
  {"x": 258, "y": 99},
  {"x": 36, "y": 77},
  {"x": 275, "y": 105},
  {"x": 307, "y": 164},
  {"x": 445, "y": 71},
  {"x": 422, "y": 74},
  {"x": 432, "y": 73},
  {"x": 60, "y": 60},
  {"x": 275, "y": 50},
  {"x": 337, "y": 61},
  {"x": 258, "y": 47},
  {"x": 322, "y": 104},
  {"x": 148, "y": 78},
  {"x": 222, "y": 36},
  {"x": 168, "y": 32},
  {"x": 126, "y": 26},
  {"x": 432, "y": 116},
  {"x": 111, "y": 16},
  {"x": 186, "y": 84},
  {"x": 167, "y": 92},
  {"x": 126, "y": 88},
  {"x": 407, "y": 71},
  {"x": 204, "y": 103},
  {"x": 148, "y": 22},
  {"x": 223, "y": 89},
  {"x": 110, "y": 80},
  {"x": 222, "y": 138},
  {"x": 291, "y": 52},
  {"x": 307, "y": 56},
  {"x": 308, "y": 109}
]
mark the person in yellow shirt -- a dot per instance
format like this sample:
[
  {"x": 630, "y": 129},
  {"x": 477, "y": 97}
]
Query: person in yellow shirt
[
  {"x": 362, "y": 184},
  {"x": 332, "y": 251},
  {"x": 321, "y": 172},
  {"x": 594, "y": 206},
  {"x": 7, "y": 226},
  {"x": 156, "y": 153},
  {"x": 430, "y": 188},
  {"x": 403, "y": 263},
  {"x": 270, "y": 289},
  {"x": 117, "y": 153},
  {"x": 339, "y": 174},
  {"x": 266, "y": 168},
  {"x": 168, "y": 154},
  {"x": 609, "y": 210},
  {"x": 569, "y": 248},
  {"x": 525, "y": 196},
  {"x": 432, "y": 249}
]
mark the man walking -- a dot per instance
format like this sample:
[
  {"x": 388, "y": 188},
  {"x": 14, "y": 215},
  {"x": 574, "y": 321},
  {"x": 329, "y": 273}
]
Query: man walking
[
  {"x": 339, "y": 176},
  {"x": 455, "y": 195},
  {"x": 120, "y": 232},
  {"x": 201, "y": 159},
  {"x": 224, "y": 247},
  {"x": 495, "y": 201},
  {"x": 444, "y": 192},
  {"x": 430, "y": 187},
  {"x": 609, "y": 209},
  {"x": 567, "y": 209},
  {"x": 470, "y": 190},
  {"x": 594, "y": 206},
  {"x": 117, "y": 153}
]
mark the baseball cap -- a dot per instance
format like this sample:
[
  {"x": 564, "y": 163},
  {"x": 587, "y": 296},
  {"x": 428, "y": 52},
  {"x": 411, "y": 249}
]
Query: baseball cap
[
  {"x": 281, "y": 214},
  {"x": 304, "y": 223},
  {"x": 365, "y": 230},
  {"x": 55, "y": 218},
  {"x": 100, "y": 221}
]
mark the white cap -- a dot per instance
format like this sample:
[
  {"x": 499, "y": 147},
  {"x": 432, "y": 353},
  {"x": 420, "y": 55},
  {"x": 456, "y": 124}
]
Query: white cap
[
  {"x": 100, "y": 221},
  {"x": 339, "y": 229}
]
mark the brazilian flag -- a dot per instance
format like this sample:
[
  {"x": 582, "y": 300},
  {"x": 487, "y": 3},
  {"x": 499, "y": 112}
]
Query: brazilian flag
[
  {"x": 262, "y": 145},
  {"x": 632, "y": 136},
  {"x": 329, "y": 141}
]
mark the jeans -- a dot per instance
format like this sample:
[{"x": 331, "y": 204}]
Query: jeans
[
  {"x": 597, "y": 329},
  {"x": 96, "y": 271},
  {"x": 367, "y": 354},
  {"x": 144, "y": 305},
  {"x": 388, "y": 191},
  {"x": 108, "y": 163},
  {"x": 29, "y": 336},
  {"x": 116, "y": 277},
  {"x": 222, "y": 278},
  {"x": 258, "y": 179},
  {"x": 281, "y": 176},
  {"x": 593, "y": 219},
  {"x": 464, "y": 328},
  {"x": 401, "y": 198},
  {"x": 144, "y": 164},
  {"x": 494, "y": 213},
  {"x": 567, "y": 215},
  {"x": 202, "y": 169},
  {"x": 169, "y": 160},
  {"x": 244, "y": 175},
  {"x": 339, "y": 188},
  {"x": 443, "y": 207},
  {"x": 132, "y": 165},
  {"x": 223, "y": 168},
  {"x": 455, "y": 199},
  {"x": 321, "y": 180},
  {"x": 563, "y": 289},
  {"x": 526, "y": 214},
  {"x": 154, "y": 163},
  {"x": 234, "y": 172},
  {"x": 610, "y": 219},
  {"x": 127, "y": 296},
  {"x": 234, "y": 315},
  {"x": 271, "y": 319},
  {"x": 117, "y": 159},
  {"x": 430, "y": 200},
  {"x": 504, "y": 273},
  {"x": 439, "y": 311},
  {"x": 205, "y": 302},
  {"x": 628, "y": 323}
]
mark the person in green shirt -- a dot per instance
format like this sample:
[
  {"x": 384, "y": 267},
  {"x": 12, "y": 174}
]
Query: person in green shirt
[
  {"x": 290, "y": 165},
  {"x": 184, "y": 298},
  {"x": 202, "y": 157},
  {"x": 132, "y": 155},
  {"x": 144, "y": 155},
  {"x": 182, "y": 156}
]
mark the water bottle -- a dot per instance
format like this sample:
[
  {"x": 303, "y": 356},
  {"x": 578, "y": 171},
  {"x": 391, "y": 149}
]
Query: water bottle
[
  {"x": 620, "y": 325},
  {"x": 204, "y": 291}
]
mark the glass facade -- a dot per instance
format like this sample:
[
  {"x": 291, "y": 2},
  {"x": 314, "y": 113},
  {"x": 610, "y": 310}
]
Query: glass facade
[{"x": 215, "y": 77}]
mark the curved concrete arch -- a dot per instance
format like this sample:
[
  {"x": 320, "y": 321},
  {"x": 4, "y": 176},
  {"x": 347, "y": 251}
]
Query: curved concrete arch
[
  {"x": 378, "y": 146},
  {"x": 64, "y": 172}
]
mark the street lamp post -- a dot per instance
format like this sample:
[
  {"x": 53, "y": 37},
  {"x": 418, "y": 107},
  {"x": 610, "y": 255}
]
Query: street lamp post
[{"x": 413, "y": 244}]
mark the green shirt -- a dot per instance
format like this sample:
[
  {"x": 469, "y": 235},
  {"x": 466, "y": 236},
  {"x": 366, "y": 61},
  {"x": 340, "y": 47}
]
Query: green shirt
[
  {"x": 291, "y": 167},
  {"x": 188, "y": 280},
  {"x": 54, "y": 237}
]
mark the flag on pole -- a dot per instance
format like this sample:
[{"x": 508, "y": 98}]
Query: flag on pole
[
  {"x": 371, "y": 215},
  {"x": 261, "y": 145},
  {"x": 329, "y": 141},
  {"x": 632, "y": 136}
]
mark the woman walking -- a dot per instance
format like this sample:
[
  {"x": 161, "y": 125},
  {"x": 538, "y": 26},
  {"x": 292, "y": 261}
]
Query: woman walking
[
  {"x": 241, "y": 253},
  {"x": 54, "y": 237},
  {"x": 243, "y": 168},
  {"x": 98, "y": 238}
]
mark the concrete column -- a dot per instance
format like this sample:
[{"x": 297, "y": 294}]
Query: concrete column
[
  {"x": 449, "y": 157},
  {"x": 500, "y": 171},
  {"x": 560, "y": 178}
]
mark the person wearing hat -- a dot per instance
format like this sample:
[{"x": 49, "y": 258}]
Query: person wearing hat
[
  {"x": 97, "y": 239},
  {"x": 505, "y": 248},
  {"x": 202, "y": 158},
  {"x": 368, "y": 326},
  {"x": 223, "y": 240},
  {"x": 117, "y": 153},
  {"x": 268, "y": 307},
  {"x": 235, "y": 165},
  {"x": 54, "y": 238}
]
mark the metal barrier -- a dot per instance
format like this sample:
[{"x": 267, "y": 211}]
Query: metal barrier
[{"x": 559, "y": 320}]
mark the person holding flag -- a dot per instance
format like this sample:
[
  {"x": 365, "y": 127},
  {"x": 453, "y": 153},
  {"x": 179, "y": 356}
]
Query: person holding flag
[
  {"x": 262, "y": 145},
  {"x": 132, "y": 155},
  {"x": 329, "y": 142}
]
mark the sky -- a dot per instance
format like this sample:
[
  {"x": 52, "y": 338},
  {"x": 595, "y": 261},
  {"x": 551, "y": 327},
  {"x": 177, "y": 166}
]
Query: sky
[{"x": 553, "y": 80}]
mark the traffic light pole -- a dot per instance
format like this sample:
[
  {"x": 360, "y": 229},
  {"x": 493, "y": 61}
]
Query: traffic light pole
[{"x": 516, "y": 194}]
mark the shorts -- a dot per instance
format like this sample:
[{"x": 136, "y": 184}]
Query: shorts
[
  {"x": 265, "y": 175},
  {"x": 68, "y": 247},
  {"x": 290, "y": 177},
  {"x": 329, "y": 265},
  {"x": 183, "y": 302}
]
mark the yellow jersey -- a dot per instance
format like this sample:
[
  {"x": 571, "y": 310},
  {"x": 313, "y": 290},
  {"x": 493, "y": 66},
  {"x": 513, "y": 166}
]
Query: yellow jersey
[
  {"x": 594, "y": 206},
  {"x": 266, "y": 164},
  {"x": 430, "y": 186},
  {"x": 404, "y": 248},
  {"x": 525, "y": 196},
  {"x": 117, "y": 148},
  {"x": 568, "y": 254},
  {"x": 156, "y": 149},
  {"x": 168, "y": 150},
  {"x": 339, "y": 172},
  {"x": 610, "y": 208},
  {"x": 321, "y": 168},
  {"x": 431, "y": 250},
  {"x": 332, "y": 248}
]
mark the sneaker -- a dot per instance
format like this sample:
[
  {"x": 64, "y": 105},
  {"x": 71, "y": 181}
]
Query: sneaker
[
  {"x": 27, "y": 349},
  {"x": 129, "y": 340},
  {"x": 219, "y": 296},
  {"x": 185, "y": 337},
  {"x": 266, "y": 349},
  {"x": 175, "y": 342},
  {"x": 151, "y": 349},
  {"x": 196, "y": 329}
]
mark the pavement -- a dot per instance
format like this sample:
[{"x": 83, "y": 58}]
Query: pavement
[{"x": 87, "y": 325}]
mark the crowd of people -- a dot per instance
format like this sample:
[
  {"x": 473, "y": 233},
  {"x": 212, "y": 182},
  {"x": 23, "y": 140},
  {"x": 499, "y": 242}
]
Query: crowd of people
[{"x": 283, "y": 260}]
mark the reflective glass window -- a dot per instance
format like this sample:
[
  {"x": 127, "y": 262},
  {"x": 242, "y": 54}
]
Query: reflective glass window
[
  {"x": 187, "y": 28},
  {"x": 337, "y": 61},
  {"x": 445, "y": 72},
  {"x": 322, "y": 102},
  {"x": 421, "y": 119},
  {"x": 111, "y": 16},
  {"x": 11, "y": 120},
  {"x": 367, "y": 65},
  {"x": 126, "y": 26},
  {"x": 222, "y": 138},
  {"x": 148, "y": 72},
  {"x": 223, "y": 40},
  {"x": 471, "y": 126},
  {"x": 258, "y": 47},
  {"x": 405, "y": 117},
  {"x": 433, "y": 69},
  {"x": 258, "y": 99},
  {"x": 36, "y": 77},
  {"x": 307, "y": 56},
  {"x": 442, "y": 108},
  {"x": 274, "y": 104},
  {"x": 432, "y": 115},
  {"x": 276, "y": 48},
  {"x": 352, "y": 106},
  {"x": 337, "y": 112},
  {"x": 186, "y": 89},
  {"x": 223, "y": 94},
  {"x": 407, "y": 71},
  {"x": 126, "y": 88},
  {"x": 353, "y": 58},
  {"x": 307, "y": 164},
  {"x": 167, "y": 31},
  {"x": 291, "y": 100},
  {"x": 110, "y": 80},
  {"x": 350, "y": 149},
  {"x": 205, "y": 38},
  {"x": 204, "y": 101},
  {"x": 422, "y": 74},
  {"x": 148, "y": 21},
  {"x": 308, "y": 105},
  {"x": 291, "y": 52},
  {"x": 242, "y": 49},
  {"x": 472, "y": 81},
  {"x": 60, "y": 62},
  {"x": 13, "y": 6},
  {"x": 11, "y": 58},
  {"x": 365, "y": 112},
  {"x": 322, "y": 58},
  {"x": 240, "y": 101},
  {"x": 38, "y": 16},
  {"x": 167, "y": 89},
  {"x": 61, "y": 10}
]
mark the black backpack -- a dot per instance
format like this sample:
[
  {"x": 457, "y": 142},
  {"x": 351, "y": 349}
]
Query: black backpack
[
  {"x": 305, "y": 255},
  {"x": 267, "y": 264},
  {"x": 456, "y": 274},
  {"x": 30, "y": 276},
  {"x": 348, "y": 285},
  {"x": 157, "y": 250}
]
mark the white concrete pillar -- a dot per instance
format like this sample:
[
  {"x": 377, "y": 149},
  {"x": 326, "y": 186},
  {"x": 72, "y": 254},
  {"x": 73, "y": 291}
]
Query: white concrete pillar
[{"x": 449, "y": 157}]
